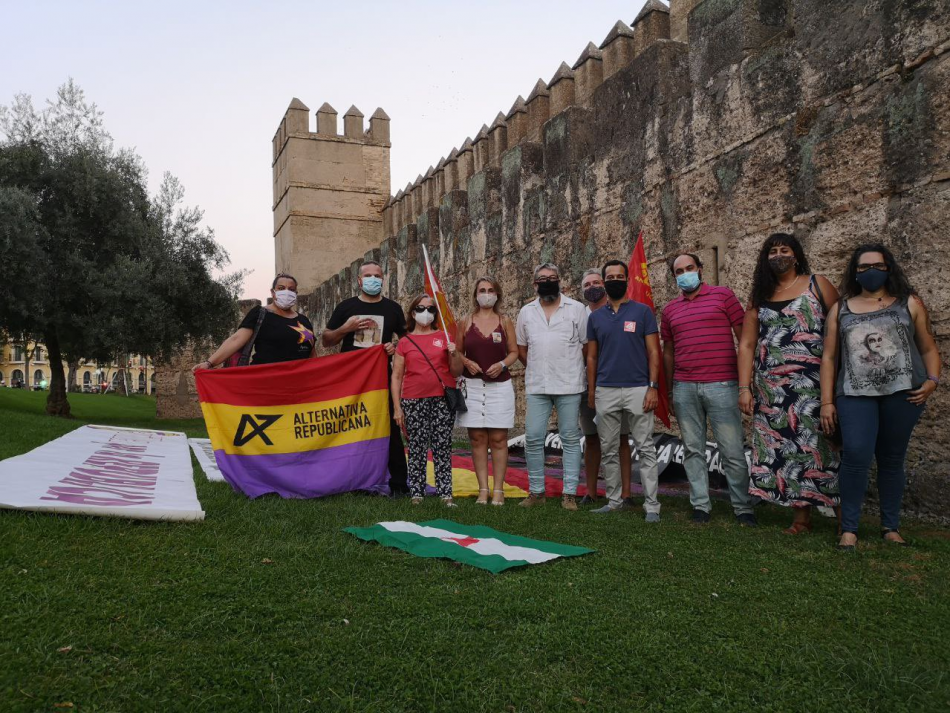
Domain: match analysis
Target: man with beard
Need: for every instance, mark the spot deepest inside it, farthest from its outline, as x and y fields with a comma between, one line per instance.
x=699, y=356
x=551, y=333
x=623, y=365
x=364, y=321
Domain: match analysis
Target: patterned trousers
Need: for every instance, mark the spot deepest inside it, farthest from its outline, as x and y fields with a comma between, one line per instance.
x=429, y=425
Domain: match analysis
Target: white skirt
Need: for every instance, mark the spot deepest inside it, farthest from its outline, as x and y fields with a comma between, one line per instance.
x=490, y=405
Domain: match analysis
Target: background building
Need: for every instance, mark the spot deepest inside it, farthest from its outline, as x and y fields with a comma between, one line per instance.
x=27, y=365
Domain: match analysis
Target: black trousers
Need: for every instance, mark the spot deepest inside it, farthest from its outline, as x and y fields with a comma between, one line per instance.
x=398, y=472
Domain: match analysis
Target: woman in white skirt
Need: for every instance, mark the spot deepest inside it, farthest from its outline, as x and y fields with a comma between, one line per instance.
x=486, y=340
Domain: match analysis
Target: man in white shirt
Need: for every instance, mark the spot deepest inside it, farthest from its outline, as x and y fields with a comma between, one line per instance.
x=552, y=334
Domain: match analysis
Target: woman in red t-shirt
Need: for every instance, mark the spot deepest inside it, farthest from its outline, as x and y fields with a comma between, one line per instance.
x=426, y=362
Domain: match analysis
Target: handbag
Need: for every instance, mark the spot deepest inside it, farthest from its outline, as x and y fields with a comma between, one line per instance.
x=245, y=356
x=453, y=395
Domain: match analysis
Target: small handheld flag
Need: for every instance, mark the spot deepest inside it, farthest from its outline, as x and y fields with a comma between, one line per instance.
x=639, y=290
x=434, y=290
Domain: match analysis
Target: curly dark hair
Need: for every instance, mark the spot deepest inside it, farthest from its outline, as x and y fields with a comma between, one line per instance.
x=897, y=284
x=764, y=280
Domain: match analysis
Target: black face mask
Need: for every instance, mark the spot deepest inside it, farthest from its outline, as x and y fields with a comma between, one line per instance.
x=549, y=289
x=594, y=294
x=616, y=288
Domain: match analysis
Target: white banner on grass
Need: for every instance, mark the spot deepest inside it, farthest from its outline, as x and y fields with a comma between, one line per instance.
x=203, y=451
x=105, y=470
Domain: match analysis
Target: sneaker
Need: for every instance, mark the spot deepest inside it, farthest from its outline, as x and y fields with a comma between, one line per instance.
x=606, y=509
x=628, y=503
x=700, y=517
x=747, y=520
x=568, y=502
x=653, y=517
x=532, y=500
x=587, y=500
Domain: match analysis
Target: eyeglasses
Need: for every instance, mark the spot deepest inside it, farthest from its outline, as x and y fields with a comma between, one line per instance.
x=865, y=266
x=542, y=280
x=420, y=309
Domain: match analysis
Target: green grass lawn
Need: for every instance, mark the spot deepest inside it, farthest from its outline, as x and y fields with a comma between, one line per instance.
x=268, y=606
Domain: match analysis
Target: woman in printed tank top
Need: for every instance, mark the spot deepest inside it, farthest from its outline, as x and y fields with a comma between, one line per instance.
x=879, y=367
x=487, y=341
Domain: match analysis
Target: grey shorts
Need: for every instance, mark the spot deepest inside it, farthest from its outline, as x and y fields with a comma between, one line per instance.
x=589, y=427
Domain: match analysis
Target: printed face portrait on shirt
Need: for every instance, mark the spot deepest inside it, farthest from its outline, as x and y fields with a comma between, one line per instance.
x=878, y=349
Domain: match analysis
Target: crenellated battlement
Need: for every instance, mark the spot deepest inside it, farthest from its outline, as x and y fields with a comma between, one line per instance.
x=330, y=189
x=571, y=85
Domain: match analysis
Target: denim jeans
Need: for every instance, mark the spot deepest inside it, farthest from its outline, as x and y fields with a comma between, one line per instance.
x=717, y=401
x=536, y=430
x=881, y=427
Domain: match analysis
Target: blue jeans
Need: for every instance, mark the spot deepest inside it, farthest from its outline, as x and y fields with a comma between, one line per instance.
x=536, y=430
x=881, y=427
x=717, y=401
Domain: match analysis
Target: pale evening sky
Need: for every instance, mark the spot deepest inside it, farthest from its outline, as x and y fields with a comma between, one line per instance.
x=198, y=88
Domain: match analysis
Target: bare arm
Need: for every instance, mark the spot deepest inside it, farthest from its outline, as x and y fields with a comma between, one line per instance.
x=829, y=372
x=747, y=343
x=652, y=399
x=828, y=291
x=523, y=354
x=232, y=345
x=395, y=388
x=455, y=361
x=591, y=359
x=332, y=337
x=512, y=347
x=928, y=350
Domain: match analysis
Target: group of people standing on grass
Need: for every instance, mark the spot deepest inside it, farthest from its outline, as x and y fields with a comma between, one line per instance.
x=832, y=378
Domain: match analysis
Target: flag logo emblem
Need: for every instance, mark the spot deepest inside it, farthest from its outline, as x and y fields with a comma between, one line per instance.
x=630, y=326
x=257, y=428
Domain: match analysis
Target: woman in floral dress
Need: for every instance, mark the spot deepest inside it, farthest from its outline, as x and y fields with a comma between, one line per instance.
x=793, y=463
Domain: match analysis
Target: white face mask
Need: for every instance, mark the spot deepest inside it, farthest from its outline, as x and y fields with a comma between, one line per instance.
x=424, y=318
x=285, y=299
x=487, y=299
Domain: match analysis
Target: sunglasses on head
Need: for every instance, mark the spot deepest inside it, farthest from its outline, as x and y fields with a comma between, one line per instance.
x=420, y=309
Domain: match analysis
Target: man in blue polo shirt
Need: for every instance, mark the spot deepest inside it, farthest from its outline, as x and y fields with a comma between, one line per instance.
x=623, y=365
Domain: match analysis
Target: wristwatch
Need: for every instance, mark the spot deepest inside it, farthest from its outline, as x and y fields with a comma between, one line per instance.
x=504, y=367
x=653, y=385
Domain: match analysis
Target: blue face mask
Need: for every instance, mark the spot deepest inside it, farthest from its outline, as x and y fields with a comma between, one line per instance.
x=688, y=281
x=372, y=285
x=872, y=280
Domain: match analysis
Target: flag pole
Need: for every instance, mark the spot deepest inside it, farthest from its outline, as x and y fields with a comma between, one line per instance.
x=431, y=276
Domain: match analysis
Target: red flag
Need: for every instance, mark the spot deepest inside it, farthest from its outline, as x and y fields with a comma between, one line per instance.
x=435, y=291
x=639, y=290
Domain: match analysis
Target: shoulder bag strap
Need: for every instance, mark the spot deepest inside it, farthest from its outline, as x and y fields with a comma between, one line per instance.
x=246, y=352
x=817, y=293
x=428, y=361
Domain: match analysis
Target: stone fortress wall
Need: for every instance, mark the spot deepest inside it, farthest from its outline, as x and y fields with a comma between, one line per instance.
x=707, y=125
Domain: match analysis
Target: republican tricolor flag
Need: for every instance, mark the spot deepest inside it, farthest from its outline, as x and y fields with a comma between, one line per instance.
x=473, y=545
x=301, y=429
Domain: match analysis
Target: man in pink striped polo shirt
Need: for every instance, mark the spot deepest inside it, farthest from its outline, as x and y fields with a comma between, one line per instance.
x=699, y=357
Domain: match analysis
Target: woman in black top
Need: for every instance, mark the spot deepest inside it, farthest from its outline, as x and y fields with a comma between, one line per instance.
x=285, y=334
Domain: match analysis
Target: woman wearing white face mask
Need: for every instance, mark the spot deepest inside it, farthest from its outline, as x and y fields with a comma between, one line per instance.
x=487, y=341
x=283, y=334
x=426, y=363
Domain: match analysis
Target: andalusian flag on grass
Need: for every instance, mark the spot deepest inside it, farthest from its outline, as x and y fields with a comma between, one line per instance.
x=478, y=546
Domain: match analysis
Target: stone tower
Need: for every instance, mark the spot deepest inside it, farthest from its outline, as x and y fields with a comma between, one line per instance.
x=329, y=190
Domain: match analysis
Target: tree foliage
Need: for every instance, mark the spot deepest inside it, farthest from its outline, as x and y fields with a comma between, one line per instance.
x=92, y=265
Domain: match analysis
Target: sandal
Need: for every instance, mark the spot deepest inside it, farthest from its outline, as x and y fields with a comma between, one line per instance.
x=449, y=503
x=900, y=543
x=847, y=548
x=498, y=499
x=798, y=528
x=482, y=499
x=416, y=501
